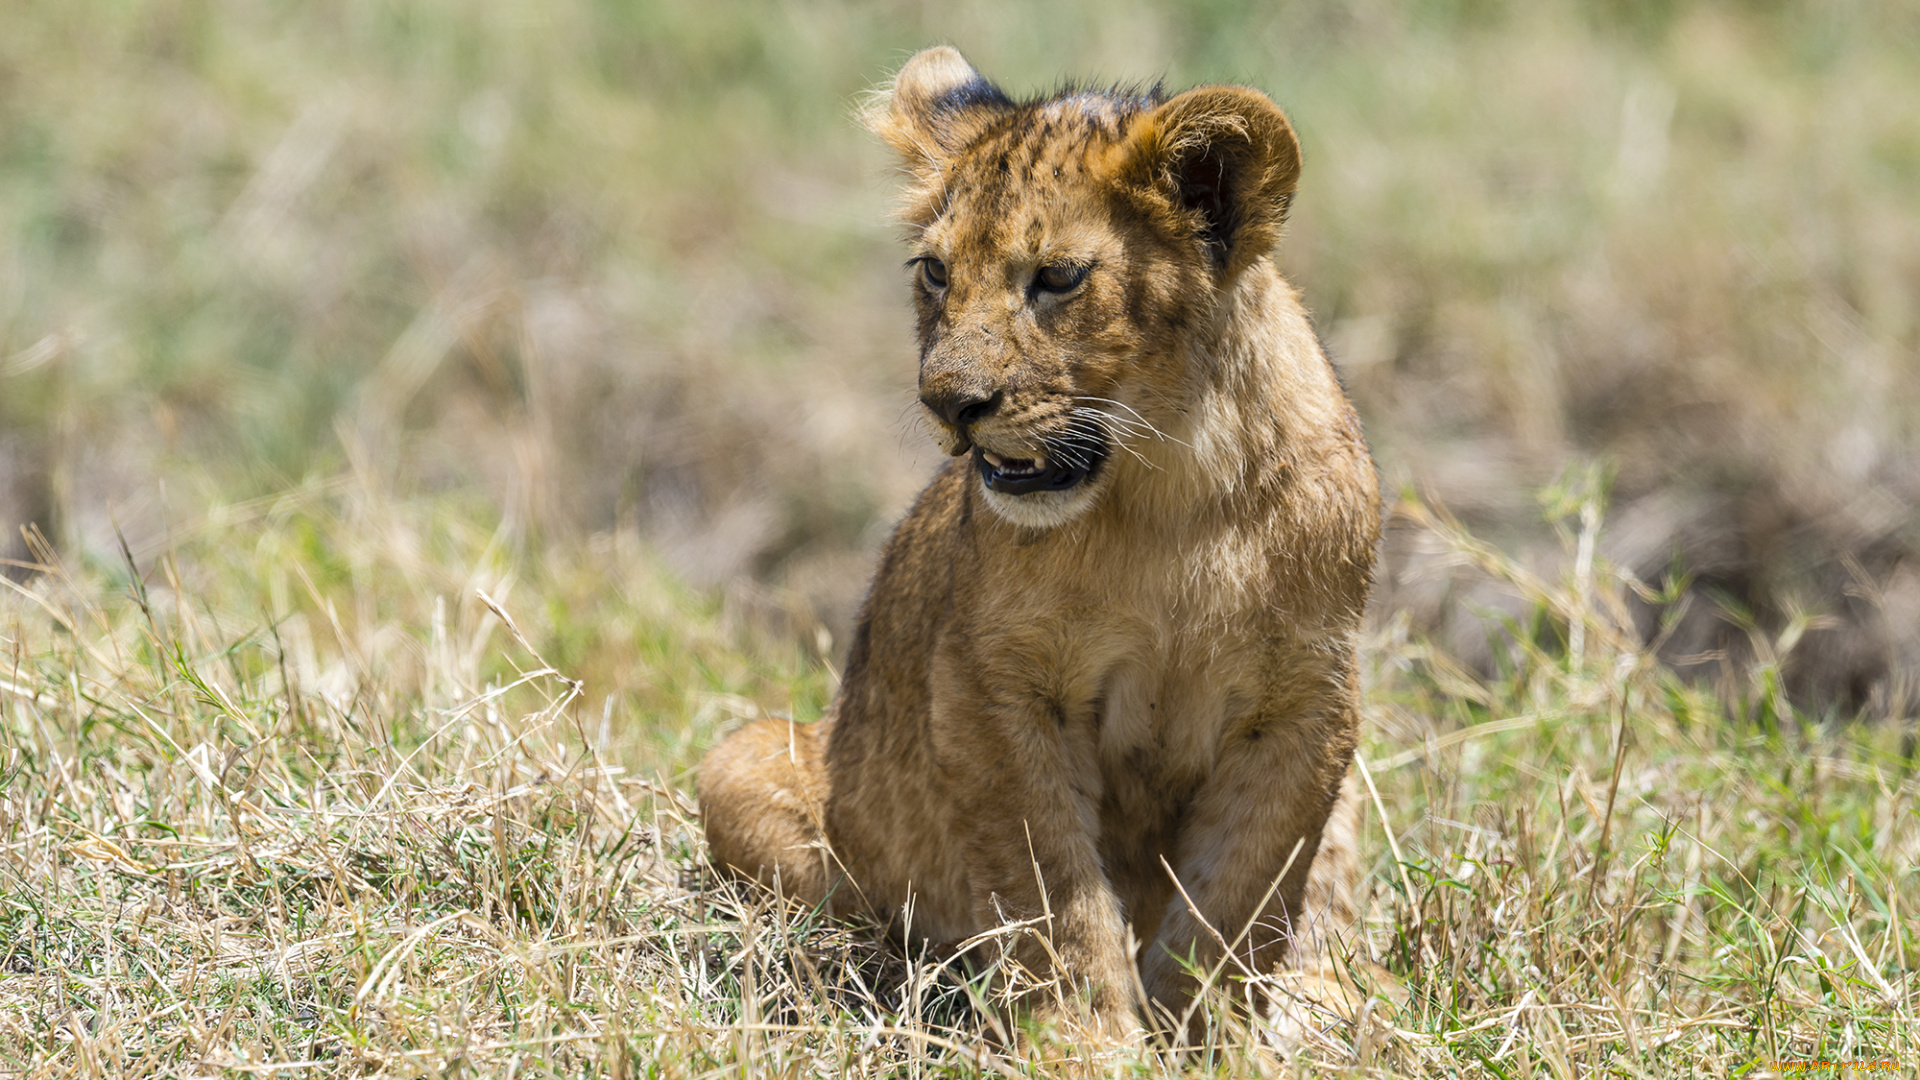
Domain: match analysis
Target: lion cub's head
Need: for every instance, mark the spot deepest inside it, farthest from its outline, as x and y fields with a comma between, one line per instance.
x=1070, y=257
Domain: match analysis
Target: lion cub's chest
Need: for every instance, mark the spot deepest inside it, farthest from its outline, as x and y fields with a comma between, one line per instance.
x=1159, y=731
x=1156, y=667
x=1161, y=723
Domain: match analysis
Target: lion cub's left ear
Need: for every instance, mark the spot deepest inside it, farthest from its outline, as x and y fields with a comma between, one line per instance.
x=1226, y=161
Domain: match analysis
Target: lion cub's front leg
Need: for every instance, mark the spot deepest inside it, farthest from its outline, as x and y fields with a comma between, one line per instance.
x=1248, y=848
x=1026, y=824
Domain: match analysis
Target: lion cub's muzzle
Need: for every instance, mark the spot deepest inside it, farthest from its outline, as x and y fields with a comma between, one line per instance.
x=1066, y=459
x=1066, y=462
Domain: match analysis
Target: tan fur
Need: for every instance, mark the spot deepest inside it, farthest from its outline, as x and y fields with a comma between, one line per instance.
x=1053, y=697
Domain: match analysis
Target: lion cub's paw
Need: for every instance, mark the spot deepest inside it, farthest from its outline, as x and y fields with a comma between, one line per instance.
x=1344, y=1011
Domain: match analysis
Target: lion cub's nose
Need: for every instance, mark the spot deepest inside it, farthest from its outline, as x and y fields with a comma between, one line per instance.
x=960, y=406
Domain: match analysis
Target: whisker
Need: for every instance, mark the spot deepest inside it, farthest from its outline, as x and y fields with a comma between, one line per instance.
x=1121, y=428
x=1115, y=421
x=1137, y=420
x=1120, y=423
x=1082, y=419
x=1072, y=453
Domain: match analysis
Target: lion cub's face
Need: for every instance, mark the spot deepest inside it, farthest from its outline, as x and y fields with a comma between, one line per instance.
x=1066, y=255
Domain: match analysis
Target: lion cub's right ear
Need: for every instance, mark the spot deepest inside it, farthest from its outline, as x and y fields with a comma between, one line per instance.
x=934, y=107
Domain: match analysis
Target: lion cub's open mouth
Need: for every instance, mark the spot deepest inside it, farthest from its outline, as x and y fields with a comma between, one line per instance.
x=1070, y=464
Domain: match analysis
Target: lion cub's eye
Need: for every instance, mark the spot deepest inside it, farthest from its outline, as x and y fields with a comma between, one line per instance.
x=934, y=272
x=1059, y=278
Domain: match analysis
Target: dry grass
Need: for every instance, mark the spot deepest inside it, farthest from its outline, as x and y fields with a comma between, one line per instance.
x=299, y=800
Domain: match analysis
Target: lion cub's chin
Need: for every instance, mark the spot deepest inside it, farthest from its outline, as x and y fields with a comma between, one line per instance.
x=1043, y=509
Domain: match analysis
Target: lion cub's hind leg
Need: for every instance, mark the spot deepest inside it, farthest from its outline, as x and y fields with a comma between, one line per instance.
x=1329, y=919
x=762, y=794
x=1330, y=987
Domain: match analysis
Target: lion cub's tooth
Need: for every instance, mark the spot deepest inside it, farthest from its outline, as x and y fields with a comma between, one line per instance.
x=993, y=459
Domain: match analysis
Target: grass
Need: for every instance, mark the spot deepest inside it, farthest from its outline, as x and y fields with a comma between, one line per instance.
x=320, y=790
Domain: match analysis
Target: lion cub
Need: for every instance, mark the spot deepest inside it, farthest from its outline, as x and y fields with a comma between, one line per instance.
x=1113, y=644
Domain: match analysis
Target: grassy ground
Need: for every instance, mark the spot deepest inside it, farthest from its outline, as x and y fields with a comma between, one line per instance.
x=341, y=785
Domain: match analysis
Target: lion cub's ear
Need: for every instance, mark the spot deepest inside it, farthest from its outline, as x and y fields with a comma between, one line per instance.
x=934, y=107
x=1226, y=160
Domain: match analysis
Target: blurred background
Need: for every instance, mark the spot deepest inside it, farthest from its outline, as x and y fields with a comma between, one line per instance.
x=584, y=268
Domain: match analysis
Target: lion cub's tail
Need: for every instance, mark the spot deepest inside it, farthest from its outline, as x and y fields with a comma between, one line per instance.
x=762, y=795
